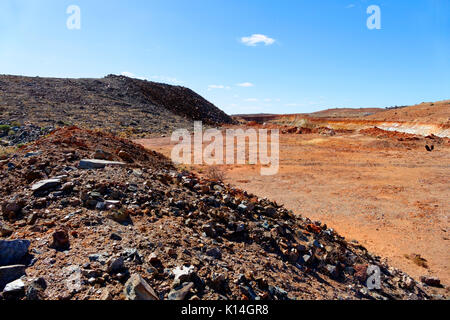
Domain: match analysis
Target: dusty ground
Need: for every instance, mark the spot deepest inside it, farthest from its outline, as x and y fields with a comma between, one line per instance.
x=390, y=195
x=140, y=228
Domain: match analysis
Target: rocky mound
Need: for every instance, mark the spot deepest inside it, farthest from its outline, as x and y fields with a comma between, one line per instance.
x=88, y=216
x=116, y=103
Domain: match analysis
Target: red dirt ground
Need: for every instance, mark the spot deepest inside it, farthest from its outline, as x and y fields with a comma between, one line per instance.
x=388, y=193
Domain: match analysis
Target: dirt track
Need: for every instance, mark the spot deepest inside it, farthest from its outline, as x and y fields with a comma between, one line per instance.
x=392, y=196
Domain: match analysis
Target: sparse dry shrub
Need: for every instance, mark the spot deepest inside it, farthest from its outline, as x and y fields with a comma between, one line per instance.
x=417, y=259
x=214, y=173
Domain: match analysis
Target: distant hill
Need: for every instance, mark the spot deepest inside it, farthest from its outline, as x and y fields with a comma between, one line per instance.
x=117, y=103
x=426, y=112
x=345, y=113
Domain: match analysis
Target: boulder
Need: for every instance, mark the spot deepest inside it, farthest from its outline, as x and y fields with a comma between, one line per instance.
x=98, y=164
x=60, y=240
x=45, y=185
x=14, y=287
x=115, y=265
x=431, y=281
x=10, y=209
x=136, y=288
x=12, y=252
x=10, y=273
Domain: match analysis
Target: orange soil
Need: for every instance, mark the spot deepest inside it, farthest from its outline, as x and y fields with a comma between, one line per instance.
x=390, y=195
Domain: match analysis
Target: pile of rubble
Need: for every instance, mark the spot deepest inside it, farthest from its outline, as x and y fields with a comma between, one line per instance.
x=118, y=104
x=88, y=216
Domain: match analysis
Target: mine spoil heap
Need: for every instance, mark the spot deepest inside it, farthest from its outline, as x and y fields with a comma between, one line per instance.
x=113, y=103
x=86, y=215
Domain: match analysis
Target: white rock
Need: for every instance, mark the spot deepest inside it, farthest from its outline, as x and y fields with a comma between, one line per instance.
x=45, y=184
x=98, y=164
x=14, y=286
x=184, y=272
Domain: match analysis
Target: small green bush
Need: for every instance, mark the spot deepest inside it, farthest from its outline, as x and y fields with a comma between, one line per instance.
x=5, y=128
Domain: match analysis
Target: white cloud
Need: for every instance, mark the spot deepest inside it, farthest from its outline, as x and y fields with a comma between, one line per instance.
x=251, y=100
x=254, y=39
x=246, y=85
x=216, y=86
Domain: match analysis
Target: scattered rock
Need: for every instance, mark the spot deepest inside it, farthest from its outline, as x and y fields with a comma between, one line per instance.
x=153, y=259
x=10, y=209
x=120, y=216
x=12, y=252
x=183, y=274
x=181, y=292
x=10, y=273
x=214, y=252
x=125, y=156
x=46, y=185
x=34, y=289
x=137, y=288
x=209, y=230
x=115, y=265
x=97, y=164
x=431, y=281
x=15, y=289
x=115, y=236
x=102, y=155
x=60, y=240
x=5, y=230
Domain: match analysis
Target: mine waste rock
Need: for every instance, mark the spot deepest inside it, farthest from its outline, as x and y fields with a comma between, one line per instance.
x=145, y=230
x=115, y=103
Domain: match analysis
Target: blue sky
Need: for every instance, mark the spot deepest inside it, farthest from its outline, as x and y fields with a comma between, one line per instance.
x=309, y=55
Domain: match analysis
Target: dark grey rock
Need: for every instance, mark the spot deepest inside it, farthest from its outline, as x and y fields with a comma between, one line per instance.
x=181, y=292
x=12, y=252
x=10, y=273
